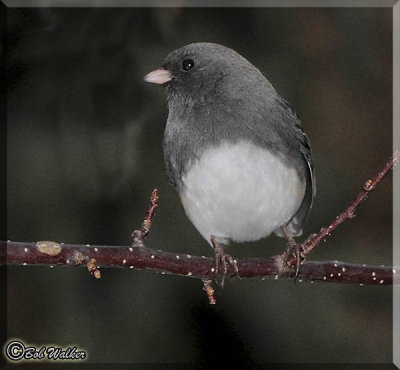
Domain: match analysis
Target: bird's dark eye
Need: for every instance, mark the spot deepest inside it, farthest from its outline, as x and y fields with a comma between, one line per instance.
x=187, y=64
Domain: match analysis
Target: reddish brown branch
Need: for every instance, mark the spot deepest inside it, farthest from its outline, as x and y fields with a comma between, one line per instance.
x=138, y=236
x=19, y=253
x=92, y=256
x=348, y=213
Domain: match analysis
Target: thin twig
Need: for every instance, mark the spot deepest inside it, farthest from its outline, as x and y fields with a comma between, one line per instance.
x=348, y=213
x=207, y=287
x=138, y=236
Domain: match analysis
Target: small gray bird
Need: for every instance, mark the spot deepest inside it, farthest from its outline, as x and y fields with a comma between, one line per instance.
x=234, y=149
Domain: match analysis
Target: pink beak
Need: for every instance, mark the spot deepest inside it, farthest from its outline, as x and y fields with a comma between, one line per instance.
x=159, y=76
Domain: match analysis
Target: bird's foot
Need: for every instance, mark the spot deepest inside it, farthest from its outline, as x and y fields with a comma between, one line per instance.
x=222, y=259
x=294, y=253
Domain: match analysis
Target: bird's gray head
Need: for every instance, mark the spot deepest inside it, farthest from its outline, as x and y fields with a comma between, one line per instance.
x=203, y=71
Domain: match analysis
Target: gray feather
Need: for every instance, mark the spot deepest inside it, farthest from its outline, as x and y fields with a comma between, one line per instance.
x=226, y=98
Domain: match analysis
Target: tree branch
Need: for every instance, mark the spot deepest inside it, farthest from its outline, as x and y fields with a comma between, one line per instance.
x=138, y=236
x=19, y=253
x=313, y=240
x=138, y=256
x=349, y=212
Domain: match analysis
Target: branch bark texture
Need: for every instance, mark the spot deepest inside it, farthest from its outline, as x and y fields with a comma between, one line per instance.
x=195, y=266
x=138, y=256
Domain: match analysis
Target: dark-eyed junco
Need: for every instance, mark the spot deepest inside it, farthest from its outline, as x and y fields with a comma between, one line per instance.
x=234, y=149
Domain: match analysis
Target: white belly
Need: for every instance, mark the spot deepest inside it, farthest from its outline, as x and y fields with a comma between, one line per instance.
x=240, y=192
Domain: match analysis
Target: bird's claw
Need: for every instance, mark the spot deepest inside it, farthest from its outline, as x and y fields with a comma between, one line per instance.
x=224, y=259
x=293, y=255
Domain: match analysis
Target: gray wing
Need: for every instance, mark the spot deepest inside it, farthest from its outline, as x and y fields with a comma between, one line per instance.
x=294, y=226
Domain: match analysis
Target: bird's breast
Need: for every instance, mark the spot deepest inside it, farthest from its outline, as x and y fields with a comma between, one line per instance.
x=240, y=192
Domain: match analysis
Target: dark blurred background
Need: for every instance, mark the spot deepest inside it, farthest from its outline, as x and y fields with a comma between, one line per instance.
x=84, y=153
